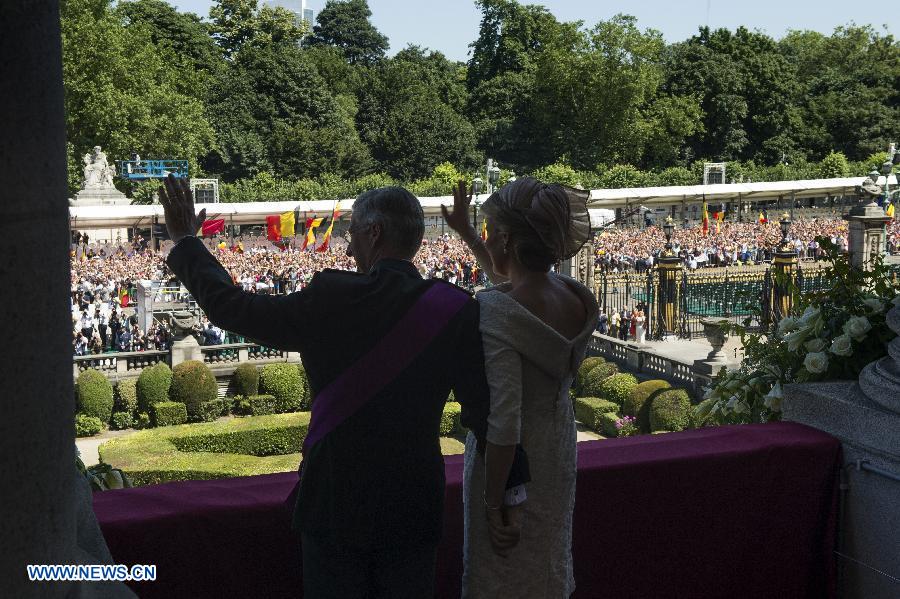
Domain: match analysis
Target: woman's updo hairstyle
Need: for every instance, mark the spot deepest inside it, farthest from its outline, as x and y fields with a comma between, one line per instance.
x=545, y=223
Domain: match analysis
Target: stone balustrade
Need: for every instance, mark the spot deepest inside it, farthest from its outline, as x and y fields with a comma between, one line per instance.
x=223, y=359
x=642, y=359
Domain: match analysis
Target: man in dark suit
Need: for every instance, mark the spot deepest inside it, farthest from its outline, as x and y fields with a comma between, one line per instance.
x=370, y=500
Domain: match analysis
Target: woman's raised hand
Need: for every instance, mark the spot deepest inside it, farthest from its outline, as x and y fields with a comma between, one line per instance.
x=458, y=220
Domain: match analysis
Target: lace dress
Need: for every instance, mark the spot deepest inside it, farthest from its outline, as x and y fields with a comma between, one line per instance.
x=529, y=369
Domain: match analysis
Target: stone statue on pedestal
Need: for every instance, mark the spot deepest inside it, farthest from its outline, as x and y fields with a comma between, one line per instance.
x=97, y=188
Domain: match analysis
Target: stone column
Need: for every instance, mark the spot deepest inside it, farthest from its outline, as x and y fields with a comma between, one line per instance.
x=866, y=224
x=37, y=448
x=144, y=305
x=866, y=418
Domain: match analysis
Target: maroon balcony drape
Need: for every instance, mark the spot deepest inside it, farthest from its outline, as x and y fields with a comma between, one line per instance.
x=738, y=511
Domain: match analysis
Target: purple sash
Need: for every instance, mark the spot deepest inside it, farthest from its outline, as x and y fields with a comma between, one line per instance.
x=385, y=362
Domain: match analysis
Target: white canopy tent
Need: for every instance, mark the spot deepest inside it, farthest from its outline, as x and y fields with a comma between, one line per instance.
x=100, y=217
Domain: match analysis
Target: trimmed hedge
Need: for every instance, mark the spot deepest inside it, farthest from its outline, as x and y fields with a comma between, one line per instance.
x=193, y=384
x=589, y=410
x=638, y=402
x=596, y=376
x=608, y=424
x=142, y=420
x=450, y=423
x=87, y=426
x=153, y=386
x=306, y=394
x=211, y=410
x=618, y=387
x=670, y=410
x=283, y=381
x=121, y=420
x=95, y=395
x=125, y=399
x=168, y=413
x=586, y=366
x=246, y=380
x=189, y=452
x=261, y=405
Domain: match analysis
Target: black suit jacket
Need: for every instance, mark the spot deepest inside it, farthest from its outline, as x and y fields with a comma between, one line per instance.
x=379, y=476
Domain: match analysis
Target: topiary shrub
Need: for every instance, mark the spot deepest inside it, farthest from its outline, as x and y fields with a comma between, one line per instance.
x=246, y=380
x=586, y=366
x=125, y=399
x=168, y=413
x=193, y=383
x=595, y=377
x=450, y=418
x=588, y=411
x=95, y=395
x=121, y=420
x=608, y=425
x=638, y=402
x=142, y=420
x=451, y=397
x=87, y=426
x=670, y=410
x=261, y=405
x=305, y=394
x=618, y=387
x=153, y=386
x=211, y=410
x=284, y=383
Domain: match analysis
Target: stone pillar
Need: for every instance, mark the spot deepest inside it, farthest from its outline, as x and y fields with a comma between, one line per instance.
x=144, y=305
x=37, y=437
x=866, y=224
x=866, y=418
x=668, y=295
x=186, y=349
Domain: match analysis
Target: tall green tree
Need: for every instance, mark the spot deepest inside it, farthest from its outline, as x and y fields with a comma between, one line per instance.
x=122, y=92
x=410, y=114
x=240, y=23
x=850, y=89
x=345, y=24
x=273, y=112
x=185, y=35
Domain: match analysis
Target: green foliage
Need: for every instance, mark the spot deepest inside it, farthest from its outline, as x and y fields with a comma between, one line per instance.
x=450, y=423
x=193, y=384
x=559, y=173
x=587, y=365
x=834, y=165
x=589, y=411
x=246, y=379
x=346, y=26
x=618, y=387
x=608, y=426
x=125, y=93
x=283, y=381
x=193, y=452
x=243, y=24
x=142, y=421
x=638, y=402
x=168, y=413
x=87, y=426
x=210, y=410
x=305, y=393
x=670, y=410
x=260, y=405
x=103, y=477
x=594, y=379
x=153, y=386
x=95, y=395
x=121, y=420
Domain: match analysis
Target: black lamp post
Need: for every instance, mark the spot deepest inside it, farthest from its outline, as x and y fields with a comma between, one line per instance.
x=669, y=230
x=493, y=177
x=785, y=224
x=476, y=189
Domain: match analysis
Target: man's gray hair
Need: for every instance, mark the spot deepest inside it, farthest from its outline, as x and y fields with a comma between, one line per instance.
x=398, y=212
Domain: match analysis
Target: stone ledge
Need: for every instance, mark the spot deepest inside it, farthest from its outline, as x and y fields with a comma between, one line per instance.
x=841, y=409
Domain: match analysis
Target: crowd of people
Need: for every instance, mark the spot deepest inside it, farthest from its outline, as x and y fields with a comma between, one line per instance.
x=104, y=274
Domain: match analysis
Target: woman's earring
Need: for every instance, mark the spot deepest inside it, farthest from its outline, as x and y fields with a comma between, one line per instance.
x=504, y=249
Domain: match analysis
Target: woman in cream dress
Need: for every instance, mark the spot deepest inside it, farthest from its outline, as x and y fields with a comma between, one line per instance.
x=535, y=327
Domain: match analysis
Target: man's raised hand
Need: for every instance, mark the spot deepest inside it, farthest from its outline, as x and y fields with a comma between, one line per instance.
x=178, y=204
